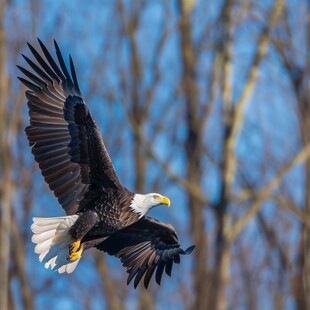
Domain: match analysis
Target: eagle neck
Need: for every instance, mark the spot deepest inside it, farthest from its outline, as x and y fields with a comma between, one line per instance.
x=138, y=206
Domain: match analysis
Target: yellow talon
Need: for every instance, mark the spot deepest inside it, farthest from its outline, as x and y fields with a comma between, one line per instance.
x=75, y=251
x=74, y=246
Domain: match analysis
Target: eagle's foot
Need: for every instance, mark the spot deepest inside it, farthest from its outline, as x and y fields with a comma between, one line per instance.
x=73, y=247
x=75, y=251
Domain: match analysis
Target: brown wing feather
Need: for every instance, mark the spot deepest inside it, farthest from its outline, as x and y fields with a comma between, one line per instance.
x=145, y=247
x=65, y=140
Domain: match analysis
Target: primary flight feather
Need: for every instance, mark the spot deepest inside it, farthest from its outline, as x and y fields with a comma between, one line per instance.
x=101, y=212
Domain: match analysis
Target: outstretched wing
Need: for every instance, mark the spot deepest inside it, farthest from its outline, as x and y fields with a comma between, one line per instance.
x=145, y=247
x=64, y=138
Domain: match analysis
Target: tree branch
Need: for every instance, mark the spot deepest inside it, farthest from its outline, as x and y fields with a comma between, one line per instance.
x=239, y=110
x=265, y=193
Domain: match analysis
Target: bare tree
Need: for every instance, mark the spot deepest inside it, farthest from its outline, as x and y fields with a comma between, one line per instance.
x=297, y=65
x=181, y=108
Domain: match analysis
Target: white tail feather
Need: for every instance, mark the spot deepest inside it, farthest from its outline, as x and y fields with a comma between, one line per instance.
x=52, y=238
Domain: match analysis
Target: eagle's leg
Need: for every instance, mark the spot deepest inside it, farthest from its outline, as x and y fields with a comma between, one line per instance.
x=81, y=227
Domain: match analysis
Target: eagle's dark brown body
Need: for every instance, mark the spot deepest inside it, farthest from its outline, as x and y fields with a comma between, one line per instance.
x=101, y=212
x=113, y=212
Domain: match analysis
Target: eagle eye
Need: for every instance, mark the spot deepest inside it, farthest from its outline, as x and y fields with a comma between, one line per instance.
x=155, y=196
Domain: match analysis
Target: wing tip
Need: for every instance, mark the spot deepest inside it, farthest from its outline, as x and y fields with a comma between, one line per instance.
x=190, y=249
x=41, y=43
x=56, y=45
x=30, y=46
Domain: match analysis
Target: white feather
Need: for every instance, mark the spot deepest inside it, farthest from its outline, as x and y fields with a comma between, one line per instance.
x=52, y=239
x=41, y=228
x=43, y=246
x=51, y=263
x=41, y=237
x=69, y=268
x=43, y=221
x=138, y=205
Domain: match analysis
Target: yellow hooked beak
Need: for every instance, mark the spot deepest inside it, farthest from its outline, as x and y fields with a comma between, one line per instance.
x=164, y=200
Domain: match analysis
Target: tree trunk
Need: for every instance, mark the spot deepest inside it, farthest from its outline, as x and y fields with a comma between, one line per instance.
x=193, y=148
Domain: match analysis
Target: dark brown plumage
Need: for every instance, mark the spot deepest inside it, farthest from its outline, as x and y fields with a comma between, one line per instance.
x=74, y=162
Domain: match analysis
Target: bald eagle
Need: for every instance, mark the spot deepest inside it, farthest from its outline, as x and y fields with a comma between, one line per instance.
x=100, y=211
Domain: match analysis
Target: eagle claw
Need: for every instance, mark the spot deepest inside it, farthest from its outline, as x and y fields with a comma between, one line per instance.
x=75, y=251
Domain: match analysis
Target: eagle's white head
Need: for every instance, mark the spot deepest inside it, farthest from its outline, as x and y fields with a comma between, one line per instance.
x=143, y=203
